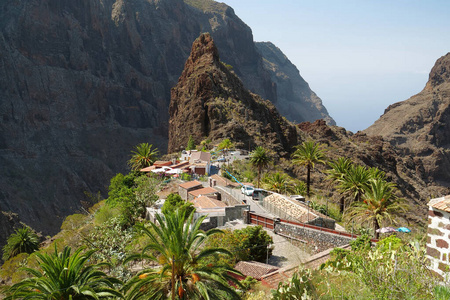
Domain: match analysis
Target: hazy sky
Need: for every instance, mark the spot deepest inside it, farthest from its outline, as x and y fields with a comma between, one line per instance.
x=358, y=56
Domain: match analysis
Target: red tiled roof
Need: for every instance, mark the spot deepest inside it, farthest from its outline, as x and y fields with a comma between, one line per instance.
x=162, y=163
x=180, y=165
x=203, y=191
x=255, y=269
x=147, y=169
x=190, y=184
x=442, y=203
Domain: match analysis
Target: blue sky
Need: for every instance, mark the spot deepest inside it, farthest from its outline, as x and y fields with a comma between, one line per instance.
x=358, y=56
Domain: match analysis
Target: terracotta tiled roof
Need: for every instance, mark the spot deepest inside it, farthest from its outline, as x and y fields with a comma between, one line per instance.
x=180, y=165
x=200, y=155
x=254, y=269
x=442, y=203
x=190, y=184
x=162, y=163
x=148, y=169
x=203, y=191
x=206, y=202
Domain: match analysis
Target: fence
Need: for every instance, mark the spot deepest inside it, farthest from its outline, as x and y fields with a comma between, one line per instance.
x=264, y=221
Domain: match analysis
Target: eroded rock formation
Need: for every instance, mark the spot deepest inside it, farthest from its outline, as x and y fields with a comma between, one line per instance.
x=210, y=101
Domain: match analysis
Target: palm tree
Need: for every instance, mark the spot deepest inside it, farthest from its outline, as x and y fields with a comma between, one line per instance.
x=339, y=168
x=356, y=181
x=143, y=157
x=260, y=159
x=24, y=240
x=379, y=204
x=225, y=145
x=65, y=276
x=308, y=154
x=176, y=244
x=277, y=182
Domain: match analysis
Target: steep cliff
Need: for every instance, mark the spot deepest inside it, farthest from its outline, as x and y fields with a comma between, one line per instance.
x=82, y=82
x=210, y=101
x=295, y=100
x=420, y=128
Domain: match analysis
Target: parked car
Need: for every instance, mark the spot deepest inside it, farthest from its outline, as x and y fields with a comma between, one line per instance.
x=247, y=190
x=259, y=194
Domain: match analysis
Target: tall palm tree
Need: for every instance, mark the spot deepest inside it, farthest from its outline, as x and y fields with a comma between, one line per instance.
x=23, y=240
x=339, y=168
x=260, y=158
x=277, y=182
x=176, y=244
x=379, y=204
x=144, y=156
x=308, y=154
x=65, y=276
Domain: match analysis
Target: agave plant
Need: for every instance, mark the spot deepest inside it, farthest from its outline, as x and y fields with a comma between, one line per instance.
x=65, y=276
x=24, y=240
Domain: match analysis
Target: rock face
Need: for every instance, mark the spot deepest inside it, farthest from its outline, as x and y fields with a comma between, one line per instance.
x=210, y=101
x=420, y=128
x=83, y=82
x=295, y=100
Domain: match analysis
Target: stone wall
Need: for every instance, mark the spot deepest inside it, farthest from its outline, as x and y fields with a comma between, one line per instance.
x=319, y=240
x=438, y=241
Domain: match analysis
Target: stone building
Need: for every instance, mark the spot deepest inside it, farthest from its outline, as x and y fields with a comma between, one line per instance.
x=438, y=239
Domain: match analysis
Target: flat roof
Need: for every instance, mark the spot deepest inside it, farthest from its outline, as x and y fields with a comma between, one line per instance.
x=206, y=202
x=203, y=191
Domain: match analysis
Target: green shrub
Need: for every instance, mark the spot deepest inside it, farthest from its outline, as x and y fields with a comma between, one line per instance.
x=174, y=202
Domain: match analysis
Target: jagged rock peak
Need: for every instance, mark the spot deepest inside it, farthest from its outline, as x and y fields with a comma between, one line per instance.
x=440, y=73
x=203, y=47
x=210, y=101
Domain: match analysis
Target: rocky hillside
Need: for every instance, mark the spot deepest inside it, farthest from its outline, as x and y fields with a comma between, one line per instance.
x=82, y=82
x=371, y=151
x=295, y=100
x=420, y=128
x=211, y=101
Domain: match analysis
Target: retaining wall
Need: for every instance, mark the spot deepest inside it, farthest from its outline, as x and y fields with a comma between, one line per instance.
x=320, y=240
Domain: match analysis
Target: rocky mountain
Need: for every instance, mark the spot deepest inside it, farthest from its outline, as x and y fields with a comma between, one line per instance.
x=211, y=101
x=420, y=128
x=295, y=100
x=82, y=82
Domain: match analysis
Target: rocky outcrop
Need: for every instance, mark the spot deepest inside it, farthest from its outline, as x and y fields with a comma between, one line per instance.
x=83, y=82
x=295, y=100
x=420, y=128
x=210, y=101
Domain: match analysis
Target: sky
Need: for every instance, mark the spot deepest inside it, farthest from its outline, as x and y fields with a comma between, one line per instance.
x=358, y=56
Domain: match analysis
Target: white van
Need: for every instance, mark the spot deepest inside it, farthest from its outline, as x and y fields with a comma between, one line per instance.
x=247, y=190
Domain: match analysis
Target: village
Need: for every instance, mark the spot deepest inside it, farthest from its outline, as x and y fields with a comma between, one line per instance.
x=304, y=235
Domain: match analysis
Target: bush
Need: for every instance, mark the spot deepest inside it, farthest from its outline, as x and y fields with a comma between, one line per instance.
x=250, y=243
x=174, y=202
